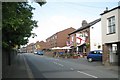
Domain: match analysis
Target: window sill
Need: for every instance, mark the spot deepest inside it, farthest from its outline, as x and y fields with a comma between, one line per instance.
x=110, y=33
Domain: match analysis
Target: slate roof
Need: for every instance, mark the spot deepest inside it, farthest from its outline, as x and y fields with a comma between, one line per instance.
x=87, y=26
x=118, y=7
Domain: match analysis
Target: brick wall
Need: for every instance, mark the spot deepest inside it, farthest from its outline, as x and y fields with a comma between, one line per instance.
x=29, y=48
x=40, y=45
x=105, y=56
x=59, y=39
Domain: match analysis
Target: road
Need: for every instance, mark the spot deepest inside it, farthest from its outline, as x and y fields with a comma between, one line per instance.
x=47, y=67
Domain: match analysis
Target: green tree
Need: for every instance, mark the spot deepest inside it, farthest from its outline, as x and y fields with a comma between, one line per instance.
x=17, y=23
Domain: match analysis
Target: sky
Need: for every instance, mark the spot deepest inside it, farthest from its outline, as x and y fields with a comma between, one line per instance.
x=57, y=15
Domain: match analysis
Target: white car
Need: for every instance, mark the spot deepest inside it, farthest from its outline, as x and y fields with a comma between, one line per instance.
x=35, y=52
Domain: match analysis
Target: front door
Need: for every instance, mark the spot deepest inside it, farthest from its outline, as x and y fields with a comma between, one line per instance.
x=113, y=54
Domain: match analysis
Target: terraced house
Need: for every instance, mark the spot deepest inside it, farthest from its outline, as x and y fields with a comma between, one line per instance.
x=30, y=48
x=58, y=39
x=87, y=37
x=40, y=45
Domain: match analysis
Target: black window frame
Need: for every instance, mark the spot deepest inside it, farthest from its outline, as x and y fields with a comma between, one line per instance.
x=111, y=26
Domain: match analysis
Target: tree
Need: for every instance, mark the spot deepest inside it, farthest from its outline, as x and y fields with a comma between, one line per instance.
x=17, y=23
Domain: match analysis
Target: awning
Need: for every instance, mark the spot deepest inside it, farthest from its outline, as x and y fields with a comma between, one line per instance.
x=66, y=47
x=55, y=48
x=58, y=48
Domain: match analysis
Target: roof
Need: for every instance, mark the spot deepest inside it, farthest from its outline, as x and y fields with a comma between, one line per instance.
x=118, y=7
x=60, y=32
x=87, y=26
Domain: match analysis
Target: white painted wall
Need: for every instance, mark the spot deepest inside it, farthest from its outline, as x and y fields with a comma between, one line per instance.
x=111, y=37
x=78, y=40
x=118, y=24
x=95, y=36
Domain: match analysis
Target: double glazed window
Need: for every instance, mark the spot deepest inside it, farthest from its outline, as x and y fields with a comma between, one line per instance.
x=111, y=25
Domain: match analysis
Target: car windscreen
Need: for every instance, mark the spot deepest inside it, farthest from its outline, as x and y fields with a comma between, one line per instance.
x=96, y=52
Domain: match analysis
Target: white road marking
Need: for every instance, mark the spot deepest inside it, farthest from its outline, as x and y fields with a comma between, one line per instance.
x=56, y=59
x=55, y=62
x=58, y=64
x=87, y=74
x=71, y=69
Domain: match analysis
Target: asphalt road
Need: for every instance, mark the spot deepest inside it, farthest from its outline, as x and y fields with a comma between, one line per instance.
x=47, y=67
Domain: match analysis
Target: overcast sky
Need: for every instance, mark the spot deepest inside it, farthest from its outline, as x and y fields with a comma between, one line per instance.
x=57, y=15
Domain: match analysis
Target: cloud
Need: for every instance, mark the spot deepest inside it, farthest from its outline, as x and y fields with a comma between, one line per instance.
x=53, y=24
x=82, y=0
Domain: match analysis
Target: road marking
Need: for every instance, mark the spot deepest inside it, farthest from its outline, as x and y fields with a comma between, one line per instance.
x=87, y=74
x=71, y=69
x=55, y=62
x=56, y=59
x=58, y=64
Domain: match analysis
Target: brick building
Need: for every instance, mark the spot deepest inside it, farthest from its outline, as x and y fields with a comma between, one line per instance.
x=81, y=40
x=40, y=45
x=23, y=49
x=58, y=39
x=30, y=48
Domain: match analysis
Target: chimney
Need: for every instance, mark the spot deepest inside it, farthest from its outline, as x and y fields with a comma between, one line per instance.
x=106, y=10
x=84, y=23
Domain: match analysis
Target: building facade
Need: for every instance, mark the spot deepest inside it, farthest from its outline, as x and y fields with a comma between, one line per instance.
x=83, y=39
x=40, y=45
x=23, y=49
x=96, y=36
x=110, y=35
x=30, y=48
x=58, y=39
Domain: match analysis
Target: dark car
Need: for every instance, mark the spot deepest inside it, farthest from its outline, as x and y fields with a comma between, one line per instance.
x=95, y=55
x=40, y=52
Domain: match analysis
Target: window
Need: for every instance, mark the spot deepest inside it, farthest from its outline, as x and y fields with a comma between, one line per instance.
x=72, y=38
x=99, y=52
x=92, y=52
x=111, y=25
x=55, y=36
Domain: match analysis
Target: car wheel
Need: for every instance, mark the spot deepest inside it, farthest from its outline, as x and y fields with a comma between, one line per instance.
x=90, y=59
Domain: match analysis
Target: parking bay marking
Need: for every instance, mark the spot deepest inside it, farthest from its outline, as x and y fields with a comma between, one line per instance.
x=87, y=74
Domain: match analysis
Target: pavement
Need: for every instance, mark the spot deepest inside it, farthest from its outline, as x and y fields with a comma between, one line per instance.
x=20, y=68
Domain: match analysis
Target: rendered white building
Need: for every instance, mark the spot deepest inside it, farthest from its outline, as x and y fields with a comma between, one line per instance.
x=110, y=20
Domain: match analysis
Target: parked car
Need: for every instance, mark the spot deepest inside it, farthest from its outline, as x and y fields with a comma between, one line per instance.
x=95, y=55
x=35, y=52
x=40, y=52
